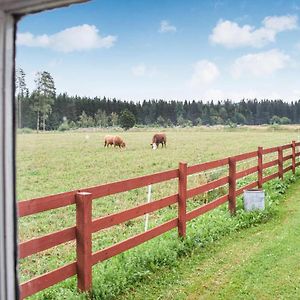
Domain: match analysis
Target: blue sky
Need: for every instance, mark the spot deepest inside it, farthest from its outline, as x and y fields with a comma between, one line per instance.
x=167, y=49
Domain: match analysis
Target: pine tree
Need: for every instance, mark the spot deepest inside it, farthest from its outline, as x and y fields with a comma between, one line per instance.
x=43, y=97
x=21, y=93
x=127, y=119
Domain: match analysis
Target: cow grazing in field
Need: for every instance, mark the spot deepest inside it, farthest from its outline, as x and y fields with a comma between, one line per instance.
x=108, y=140
x=117, y=141
x=159, y=138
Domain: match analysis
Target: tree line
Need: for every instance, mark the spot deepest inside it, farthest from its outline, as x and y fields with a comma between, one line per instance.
x=43, y=108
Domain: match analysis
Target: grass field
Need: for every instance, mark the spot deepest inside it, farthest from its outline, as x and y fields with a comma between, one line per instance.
x=257, y=263
x=57, y=162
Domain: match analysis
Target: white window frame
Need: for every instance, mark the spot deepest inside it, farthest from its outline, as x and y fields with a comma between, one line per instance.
x=10, y=12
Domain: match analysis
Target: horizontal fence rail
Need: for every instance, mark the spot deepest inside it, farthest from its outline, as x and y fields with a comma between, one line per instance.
x=44, y=281
x=46, y=242
x=38, y=205
x=86, y=226
x=205, y=208
x=207, y=166
x=207, y=187
x=130, y=184
x=133, y=241
x=126, y=215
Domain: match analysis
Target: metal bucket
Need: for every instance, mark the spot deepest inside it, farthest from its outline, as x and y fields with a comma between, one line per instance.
x=254, y=200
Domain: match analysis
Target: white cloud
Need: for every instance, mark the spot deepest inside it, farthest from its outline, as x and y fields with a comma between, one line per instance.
x=282, y=23
x=232, y=35
x=260, y=64
x=141, y=70
x=78, y=38
x=205, y=72
x=165, y=27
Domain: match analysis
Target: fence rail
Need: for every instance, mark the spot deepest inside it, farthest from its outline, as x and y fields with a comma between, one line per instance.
x=85, y=225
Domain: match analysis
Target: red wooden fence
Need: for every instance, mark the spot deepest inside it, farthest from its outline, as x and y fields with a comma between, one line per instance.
x=85, y=225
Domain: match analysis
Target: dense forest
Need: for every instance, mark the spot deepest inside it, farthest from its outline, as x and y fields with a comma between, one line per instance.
x=104, y=112
x=44, y=109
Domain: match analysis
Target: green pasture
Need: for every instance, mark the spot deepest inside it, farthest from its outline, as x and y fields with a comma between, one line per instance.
x=57, y=162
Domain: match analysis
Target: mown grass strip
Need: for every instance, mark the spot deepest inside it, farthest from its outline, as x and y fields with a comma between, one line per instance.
x=260, y=262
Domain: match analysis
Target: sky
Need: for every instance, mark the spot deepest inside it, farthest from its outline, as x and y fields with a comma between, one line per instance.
x=166, y=49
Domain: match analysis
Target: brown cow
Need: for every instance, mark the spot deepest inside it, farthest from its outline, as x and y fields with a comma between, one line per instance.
x=159, y=138
x=108, y=140
x=118, y=142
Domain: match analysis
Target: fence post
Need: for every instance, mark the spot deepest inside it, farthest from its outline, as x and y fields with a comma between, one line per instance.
x=182, y=192
x=294, y=156
x=232, y=185
x=280, y=162
x=260, y=167
x=84, y=240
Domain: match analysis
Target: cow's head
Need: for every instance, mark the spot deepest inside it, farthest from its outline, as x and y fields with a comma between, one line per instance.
x=154, y=146
x=123, y=145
